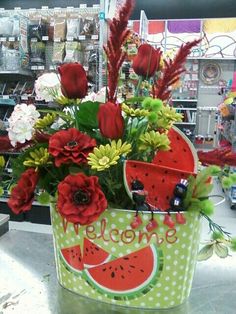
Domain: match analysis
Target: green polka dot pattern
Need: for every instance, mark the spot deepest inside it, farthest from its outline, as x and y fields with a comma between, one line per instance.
x=112, y=232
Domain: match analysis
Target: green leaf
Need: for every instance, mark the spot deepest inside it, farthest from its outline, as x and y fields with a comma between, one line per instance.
x=134, y=100
x=221, y=250
x=205, y=252
x=44, y=198
x=194, y=205
x=203, y=190
x=87, y=114
x=190, y=189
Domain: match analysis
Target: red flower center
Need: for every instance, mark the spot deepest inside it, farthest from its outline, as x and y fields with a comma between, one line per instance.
x=81, y=197
x=72, y=144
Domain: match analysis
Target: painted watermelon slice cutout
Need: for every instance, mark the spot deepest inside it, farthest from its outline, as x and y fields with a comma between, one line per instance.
x=93, y=254
x=72, y=259
x=127, y=277
x=158, y=181
x=182, y=154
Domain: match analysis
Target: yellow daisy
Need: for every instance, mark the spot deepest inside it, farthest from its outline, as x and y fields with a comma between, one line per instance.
x=123, y=149
x=38, y=157
x=131, y=112
x=167, y=116
x=154, y=141
x=45, y=121
x=103, y=157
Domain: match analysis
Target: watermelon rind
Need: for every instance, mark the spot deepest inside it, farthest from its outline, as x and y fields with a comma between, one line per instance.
x=139, y=291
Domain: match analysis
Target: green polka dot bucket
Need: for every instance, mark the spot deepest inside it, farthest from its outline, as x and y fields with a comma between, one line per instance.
x=110, y=262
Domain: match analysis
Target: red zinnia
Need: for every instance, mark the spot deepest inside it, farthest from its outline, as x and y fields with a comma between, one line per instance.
x=110, y=120
x=70, y=146
x=80, y=199
x=22, y=195
x=74, y=82
x=147, y=61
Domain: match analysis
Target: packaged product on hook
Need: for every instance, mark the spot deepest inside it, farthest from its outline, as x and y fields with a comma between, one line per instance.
x=72, y=28
x=58, y=52
x=72, y=52
x=59, y=29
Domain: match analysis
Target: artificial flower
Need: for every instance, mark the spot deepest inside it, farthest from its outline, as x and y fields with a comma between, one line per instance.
x=70, y=146
x=80, y=199
x=48, y=87
x=131, y=112
x=22, y=195
x=47, y=120
x=103, y=157
x=147, y=61
x=2, y=162
x=122, y=148
x=110, y=120
x=154, y=141
x=74, y=82
x=38, y=157
x=167, y=116
x=21, y=123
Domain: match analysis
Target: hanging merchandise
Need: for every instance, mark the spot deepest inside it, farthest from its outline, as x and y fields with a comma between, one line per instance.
x=58, y=52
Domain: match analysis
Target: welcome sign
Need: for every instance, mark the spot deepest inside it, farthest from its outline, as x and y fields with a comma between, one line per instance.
x=111, y=262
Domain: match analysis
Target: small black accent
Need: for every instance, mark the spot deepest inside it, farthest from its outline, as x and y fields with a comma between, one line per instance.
x=112, y=274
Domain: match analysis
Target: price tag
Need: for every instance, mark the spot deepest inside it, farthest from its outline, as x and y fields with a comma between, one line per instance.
x=41, y=67
x=70, y=8
x=94, y=37
x=3, y=39
x=83, y=5
x=70, y=38
x=33, y=67
x=52, y=67
x=32, y=10
x=2, y=9
x=5, y=97
x=57, y=9
x=85, y=68
x=44, y=7
x=17, y=8
x=45, y=38
x=33, y=40
x=57, y=40
x=82, y=37
x=24, y=97
x=96, y=6
x=11, y=39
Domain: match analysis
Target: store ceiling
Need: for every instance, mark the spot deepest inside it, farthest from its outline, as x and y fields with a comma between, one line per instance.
x=155, y=9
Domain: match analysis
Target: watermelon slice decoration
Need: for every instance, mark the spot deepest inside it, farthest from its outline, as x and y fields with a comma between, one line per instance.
x=158, y=181
x=72, y=259
x=93, y=254
x=182, y=154
x=127, y=277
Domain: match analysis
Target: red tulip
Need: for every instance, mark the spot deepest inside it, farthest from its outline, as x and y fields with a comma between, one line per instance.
x=74, y=82
x=110, y=120
x=147, y=61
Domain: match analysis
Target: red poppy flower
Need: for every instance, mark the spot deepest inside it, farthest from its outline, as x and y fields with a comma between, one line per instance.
x=22, y=195
x=70, y=146
x=74, y=82
x=80, y=199
x=147, y=61
x=110, y=120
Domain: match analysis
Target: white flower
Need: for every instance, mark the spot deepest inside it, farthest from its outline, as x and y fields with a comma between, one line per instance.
x=21, y=123
x=48, y=87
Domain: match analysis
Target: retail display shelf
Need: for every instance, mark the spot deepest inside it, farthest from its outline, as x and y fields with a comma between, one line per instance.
x=184, y=100
x=184, y=108
x=187, y=123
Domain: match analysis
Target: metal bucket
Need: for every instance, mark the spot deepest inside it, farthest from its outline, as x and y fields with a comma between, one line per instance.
x=126, y=267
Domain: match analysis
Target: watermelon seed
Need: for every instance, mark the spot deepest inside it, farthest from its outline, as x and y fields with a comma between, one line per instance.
x=129, y=271
x=96, y=248
x=146, y=174
x=178, y=138
x=132, y=266
x=110, y=267
x=112, y=274
x=163, y=180
x=86, y=249
x=160, y=161
x=171, y=150
x=175, y=161
x=121, y=267
x=142, y=270
x=123, y=277
x=126, y=258
x=155, y=198
x=92, y=252
x=135, y=256
x=116, y=269
x=153, y=186
x=166, y=171
x=185, y=150
x=167, y=197
x=104, y=269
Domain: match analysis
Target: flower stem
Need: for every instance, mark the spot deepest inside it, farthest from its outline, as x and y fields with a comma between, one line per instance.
x=214, y=227
x=138, y=86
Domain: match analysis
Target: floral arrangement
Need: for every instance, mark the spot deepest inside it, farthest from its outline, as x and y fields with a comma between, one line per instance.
x=74, y=152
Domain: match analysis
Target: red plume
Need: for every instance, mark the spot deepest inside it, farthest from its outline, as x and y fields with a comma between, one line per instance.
x=113, y=50
x=172, y=71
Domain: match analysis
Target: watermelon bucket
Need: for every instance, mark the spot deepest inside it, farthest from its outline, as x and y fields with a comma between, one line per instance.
x=110, y=262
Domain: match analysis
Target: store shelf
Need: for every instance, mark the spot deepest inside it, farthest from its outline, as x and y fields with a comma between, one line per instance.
x=16, y=75
x=187, y=123
x=190, y=109
x=184, y=100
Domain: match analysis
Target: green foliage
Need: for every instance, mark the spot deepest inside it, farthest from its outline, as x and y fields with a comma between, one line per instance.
x=233, y=244
x=226, y=182
x=207, y=207
x=216, y=235
x=147, y=102
x=43, y=198
x=205, y=253
x=87, y=114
